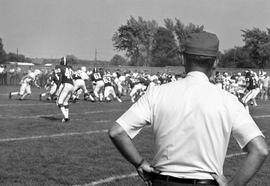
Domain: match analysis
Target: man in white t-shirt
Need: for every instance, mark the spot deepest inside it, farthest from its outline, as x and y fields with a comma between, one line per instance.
x=191, y=131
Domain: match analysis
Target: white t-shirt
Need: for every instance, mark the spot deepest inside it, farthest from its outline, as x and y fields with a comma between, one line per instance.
x=191, y=120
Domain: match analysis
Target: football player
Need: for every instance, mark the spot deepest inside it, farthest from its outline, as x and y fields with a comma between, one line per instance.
x=98, y=83
x=51, y=85
x=26, y=82
x=65, y=73
x=109, y=88
x=252, y=90
x=80, y=77
x=140, y=85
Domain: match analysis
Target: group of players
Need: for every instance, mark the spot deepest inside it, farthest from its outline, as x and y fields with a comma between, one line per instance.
x=65, y=84
x=246, y=85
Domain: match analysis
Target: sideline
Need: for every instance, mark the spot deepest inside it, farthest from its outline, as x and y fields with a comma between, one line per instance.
x=54, y=135
x=262, y=116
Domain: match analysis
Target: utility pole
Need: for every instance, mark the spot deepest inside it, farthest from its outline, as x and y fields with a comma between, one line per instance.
x=17, y=55
x=95, y=57
x=95, y=54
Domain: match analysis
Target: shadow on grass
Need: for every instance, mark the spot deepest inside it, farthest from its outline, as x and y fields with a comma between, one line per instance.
x=51, y=118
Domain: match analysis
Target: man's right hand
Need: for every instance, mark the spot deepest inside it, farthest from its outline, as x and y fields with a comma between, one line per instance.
x=222, y=180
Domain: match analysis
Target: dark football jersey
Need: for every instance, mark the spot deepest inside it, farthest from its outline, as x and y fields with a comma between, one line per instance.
x=252, y=83
x=144, y=81
x=107, y=81
x=53, y=78
x=96, y=76
x=65, y=72
x=77, y=75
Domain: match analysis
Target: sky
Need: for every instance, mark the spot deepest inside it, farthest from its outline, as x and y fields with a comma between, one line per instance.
x=55, y=28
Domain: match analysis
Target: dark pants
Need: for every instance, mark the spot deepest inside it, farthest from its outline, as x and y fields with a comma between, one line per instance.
x=158, y=182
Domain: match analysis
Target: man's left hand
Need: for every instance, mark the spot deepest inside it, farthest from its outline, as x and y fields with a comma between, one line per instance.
x=146, y=172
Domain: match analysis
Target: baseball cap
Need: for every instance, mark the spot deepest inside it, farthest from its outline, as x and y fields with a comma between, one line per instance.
x=202, y=43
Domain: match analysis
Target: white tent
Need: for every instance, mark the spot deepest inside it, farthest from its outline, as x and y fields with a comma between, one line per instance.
x=22, y=63
x=48, y=65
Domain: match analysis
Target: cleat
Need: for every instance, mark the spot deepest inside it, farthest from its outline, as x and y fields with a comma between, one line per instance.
x=118, y=99
x=64, y=120
x=9, y=96
x=91, y=98
x=40, y=97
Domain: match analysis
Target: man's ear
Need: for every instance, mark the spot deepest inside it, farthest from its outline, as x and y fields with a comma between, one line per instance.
x=216, y=63
x=183, y=59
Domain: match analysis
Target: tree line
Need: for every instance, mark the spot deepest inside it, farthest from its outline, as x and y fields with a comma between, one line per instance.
x=145, y=43
x=11, y=56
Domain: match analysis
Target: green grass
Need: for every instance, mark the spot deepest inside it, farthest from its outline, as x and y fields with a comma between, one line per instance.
x=80, y=158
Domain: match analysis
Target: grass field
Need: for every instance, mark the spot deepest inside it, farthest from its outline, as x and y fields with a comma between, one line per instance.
x=37, y=149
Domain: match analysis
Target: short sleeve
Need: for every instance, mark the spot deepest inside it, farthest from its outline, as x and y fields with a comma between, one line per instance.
x=244, y=128
x=137, y=116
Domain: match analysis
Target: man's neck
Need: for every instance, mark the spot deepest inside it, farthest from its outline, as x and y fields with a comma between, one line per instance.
x=207, y=72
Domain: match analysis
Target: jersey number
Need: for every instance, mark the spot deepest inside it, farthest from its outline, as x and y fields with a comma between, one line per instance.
x=68, y=73
x=107, y=80
x=97, y=76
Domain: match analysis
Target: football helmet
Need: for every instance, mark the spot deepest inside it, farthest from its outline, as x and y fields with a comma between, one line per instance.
x=63, y=61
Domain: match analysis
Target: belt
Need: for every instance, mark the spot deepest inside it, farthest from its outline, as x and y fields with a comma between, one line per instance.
x=184, y=180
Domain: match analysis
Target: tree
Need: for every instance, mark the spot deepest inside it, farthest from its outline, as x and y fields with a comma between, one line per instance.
x=118, y=60
x=237, y=57
x=164, y=49
x=181, y=30
x=256, y=43
x=2, y=53
x=136, y=39
x=11, y=56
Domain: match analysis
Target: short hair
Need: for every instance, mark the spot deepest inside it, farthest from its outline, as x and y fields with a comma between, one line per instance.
x=199, y=60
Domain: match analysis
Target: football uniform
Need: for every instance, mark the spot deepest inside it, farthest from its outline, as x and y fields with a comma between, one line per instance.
x=79, y=84
x=140, y=85
x=97, y=78
x=51, y=86
x=253, y=91
x=26, y=82
x=109, y=89
x=65, y=73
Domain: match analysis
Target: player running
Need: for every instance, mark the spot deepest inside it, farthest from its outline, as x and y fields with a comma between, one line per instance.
x=65, y=73
x=26, y=82
x=52, y=82
x=252, y=88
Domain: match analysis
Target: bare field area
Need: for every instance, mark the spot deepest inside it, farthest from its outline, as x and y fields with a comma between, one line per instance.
x=37, y=149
